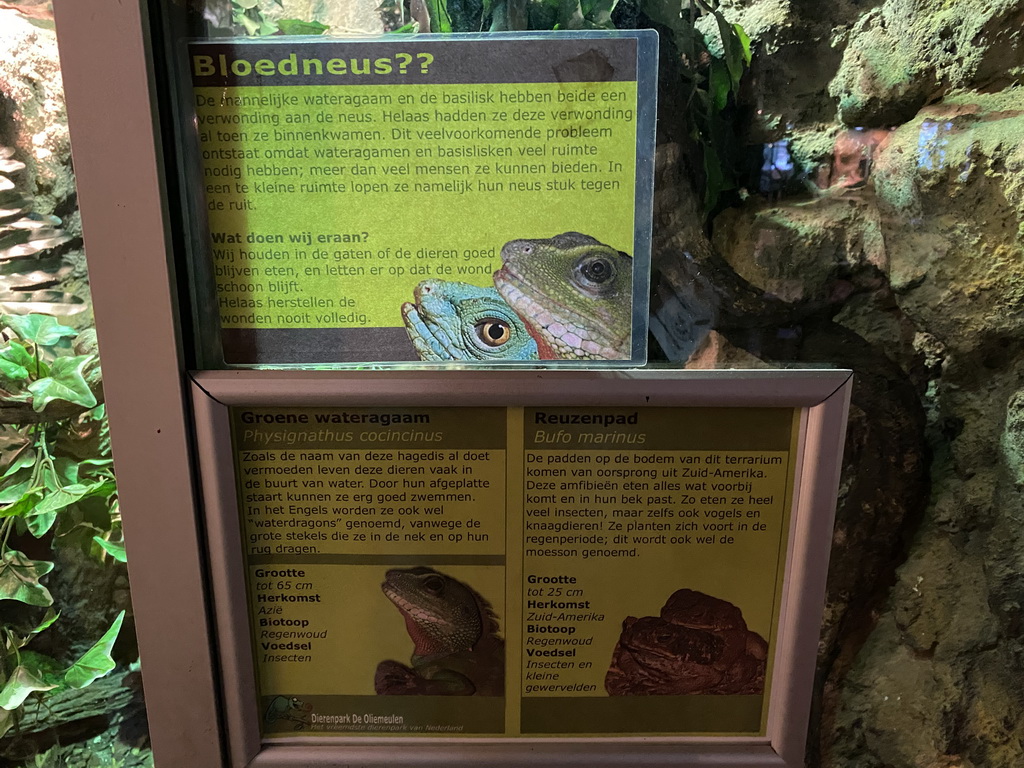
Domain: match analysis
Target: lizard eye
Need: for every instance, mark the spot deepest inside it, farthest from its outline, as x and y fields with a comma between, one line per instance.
x=434, y=584
x=597, y=270
x=595, y=274
x=493, y=332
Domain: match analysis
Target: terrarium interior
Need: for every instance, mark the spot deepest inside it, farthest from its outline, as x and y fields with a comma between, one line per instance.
x=837, y=185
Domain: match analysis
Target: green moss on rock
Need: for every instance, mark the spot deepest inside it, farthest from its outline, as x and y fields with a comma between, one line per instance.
x=908, y=52
x=814, y=146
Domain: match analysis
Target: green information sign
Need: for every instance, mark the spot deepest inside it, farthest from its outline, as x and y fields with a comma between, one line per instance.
x=514, y=571
x=424, y=199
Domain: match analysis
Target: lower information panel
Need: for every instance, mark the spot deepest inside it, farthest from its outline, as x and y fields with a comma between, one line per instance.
x=514, y=571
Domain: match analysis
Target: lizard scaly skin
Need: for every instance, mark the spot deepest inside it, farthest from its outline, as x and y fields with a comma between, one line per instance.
x=573, y=292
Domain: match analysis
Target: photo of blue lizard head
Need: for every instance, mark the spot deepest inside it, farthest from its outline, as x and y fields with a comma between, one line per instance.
x=568, y=297
x=457, y=321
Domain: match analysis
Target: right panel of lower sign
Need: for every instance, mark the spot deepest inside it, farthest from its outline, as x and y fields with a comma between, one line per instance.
x=653, y=549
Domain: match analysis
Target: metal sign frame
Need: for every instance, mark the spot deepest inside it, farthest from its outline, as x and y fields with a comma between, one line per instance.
x=822, y=396
x=109, y=82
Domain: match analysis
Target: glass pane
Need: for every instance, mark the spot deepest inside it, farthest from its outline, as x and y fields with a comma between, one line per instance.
x=838, y=184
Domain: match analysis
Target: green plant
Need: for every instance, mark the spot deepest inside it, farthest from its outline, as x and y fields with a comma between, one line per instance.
x=58, y=483
x=712, y=71
x=446, y=16
x=249, y=15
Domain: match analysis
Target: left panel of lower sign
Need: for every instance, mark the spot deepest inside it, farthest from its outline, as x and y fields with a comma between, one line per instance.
x=375, y=550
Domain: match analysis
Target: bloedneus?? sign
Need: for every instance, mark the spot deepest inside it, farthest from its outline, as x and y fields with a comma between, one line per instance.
x=423, y=199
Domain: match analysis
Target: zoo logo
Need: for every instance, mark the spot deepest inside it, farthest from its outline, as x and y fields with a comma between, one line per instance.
x=292, y=709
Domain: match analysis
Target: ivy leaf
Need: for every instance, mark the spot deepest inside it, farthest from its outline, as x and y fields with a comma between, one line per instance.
x=734, y=55
x=15, y=354
x=96, y=662
x=13, y=492
x=744, y=39
x=102, y=488
x=248, y=14
x=88, y=466
x=18, y=354
x=44, y=667
x=79, y=536
x=39, y=524
x=25, y=458
x=39, y=329
x=65, y=382
x=22, y=682
x=113, y=548
x=13, y=371
x=19, y=579
x=101, y=515
x=24, y=502
x=62, y=498
x=67, y=470
x=719, y=84
x=299, y=27
x=50, y=617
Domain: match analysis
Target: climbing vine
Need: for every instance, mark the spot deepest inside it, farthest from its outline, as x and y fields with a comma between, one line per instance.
x=56, y=485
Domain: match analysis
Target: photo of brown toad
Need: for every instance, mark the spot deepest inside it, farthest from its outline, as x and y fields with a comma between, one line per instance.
x=698, y=645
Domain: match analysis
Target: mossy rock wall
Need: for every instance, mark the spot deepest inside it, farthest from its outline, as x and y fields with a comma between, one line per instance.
x=902, y=257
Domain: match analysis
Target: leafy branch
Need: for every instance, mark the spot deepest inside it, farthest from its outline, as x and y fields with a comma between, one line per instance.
x=712, y=72
x=249, y=16
x=57, y=480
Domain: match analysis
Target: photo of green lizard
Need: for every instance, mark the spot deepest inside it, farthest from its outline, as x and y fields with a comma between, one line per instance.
x=568, y=297
x=457, y=648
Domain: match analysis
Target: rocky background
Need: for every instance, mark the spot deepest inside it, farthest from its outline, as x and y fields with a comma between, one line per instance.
x=887, y=238
x=880, y=228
